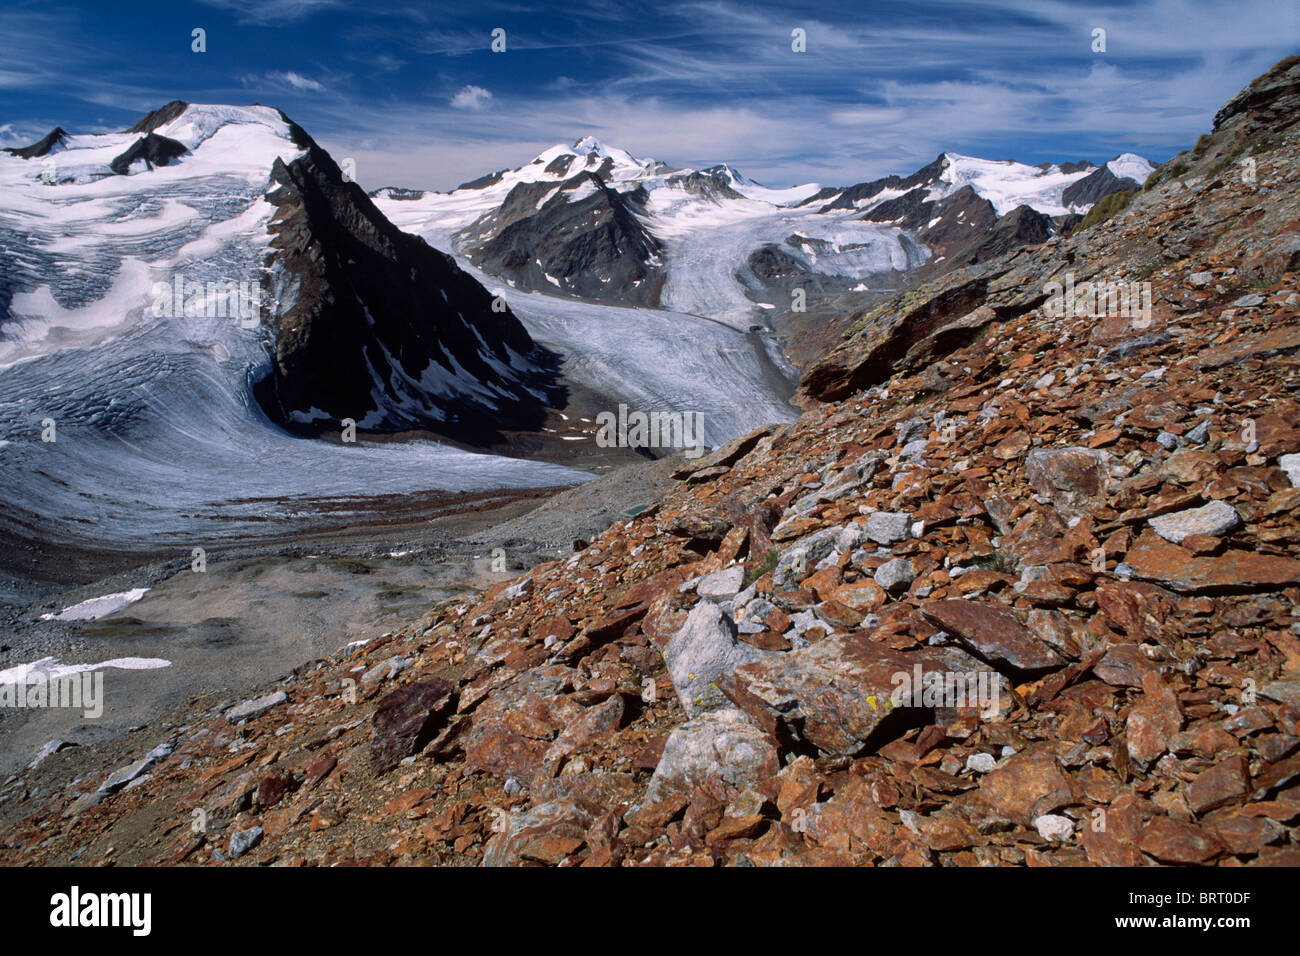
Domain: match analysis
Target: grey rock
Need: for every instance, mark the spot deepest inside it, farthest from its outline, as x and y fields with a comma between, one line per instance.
x=910, y=430
x=120, y=777
x=1133, y=346
x=1291, y=465
x=1199, y=434
x=1054, y=828
x=1282, y=691
x=255, y=707
x=1249, y=301
x=703, y=650
x=981, y=763
x=721, y=585
x=895, y=576
x=242, y=841
x=51, y=747
x=888, y=527
x=723, y=744
x=796, y=559
x=914, y=450
x=385, y=670
x=1200, y=280
x=1167, y=441
x=1216, y=518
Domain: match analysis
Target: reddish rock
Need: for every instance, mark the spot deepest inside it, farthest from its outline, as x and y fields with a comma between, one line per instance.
x=832, y=695
x=407, y=719
x=1174, y=841
x=1022, y=789
x=1225, y=782
x=994, y=633
x=1155, y=559
x=1155, y=718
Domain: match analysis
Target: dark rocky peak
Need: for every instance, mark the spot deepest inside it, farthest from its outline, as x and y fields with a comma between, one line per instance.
x=1101, y=182
x=963, y=219
x=382, y=324
x=560, y=165
x=849, y=197
x=491, y=179
x=585, y=240
x=1022, y=226
x=713, y=183
x=159, y=117
x=155, y=150
x=397, y=193
x=910, y=210
x=47, y=144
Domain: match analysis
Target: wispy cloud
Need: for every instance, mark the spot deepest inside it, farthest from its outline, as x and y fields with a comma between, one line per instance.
x=297, y=81
x=274, y=11
x=882, y=88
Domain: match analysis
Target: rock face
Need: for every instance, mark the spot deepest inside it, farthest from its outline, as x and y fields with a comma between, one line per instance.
x=47, y=144
x=1096, y=185
x=151, y=149
x=705, y=649
x=720, y=745
x=383, y=329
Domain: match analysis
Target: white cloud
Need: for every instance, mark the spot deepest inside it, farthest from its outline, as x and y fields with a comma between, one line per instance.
x=471, y=98
x=297, y=81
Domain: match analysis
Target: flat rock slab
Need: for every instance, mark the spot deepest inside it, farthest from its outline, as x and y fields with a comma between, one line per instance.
x=832, y=694
x=1215, y=519
x=994, y=633
x=1024, y=788
x=406, y=719
x=256, y=707
x=1154, y=559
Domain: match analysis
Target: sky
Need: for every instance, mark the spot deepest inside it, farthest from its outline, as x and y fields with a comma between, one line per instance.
x=415, y=94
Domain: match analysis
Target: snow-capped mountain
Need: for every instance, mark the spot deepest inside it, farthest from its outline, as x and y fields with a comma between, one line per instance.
x=146, y=304
x=183, y=302
x=595, y=221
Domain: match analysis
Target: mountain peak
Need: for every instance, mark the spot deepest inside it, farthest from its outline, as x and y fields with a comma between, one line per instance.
x=589, y=144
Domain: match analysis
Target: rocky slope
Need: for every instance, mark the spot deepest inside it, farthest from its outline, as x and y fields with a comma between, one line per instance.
x=1096, y=514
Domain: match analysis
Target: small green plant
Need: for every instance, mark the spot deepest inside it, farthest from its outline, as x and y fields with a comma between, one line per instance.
x=997, y=561
x=767, y=564
x=1109, y=205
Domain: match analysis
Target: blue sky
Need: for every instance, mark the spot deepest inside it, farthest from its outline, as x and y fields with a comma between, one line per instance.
x=413, y=92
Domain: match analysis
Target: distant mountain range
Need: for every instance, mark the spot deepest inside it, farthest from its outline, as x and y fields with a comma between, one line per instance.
x=594, y=221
